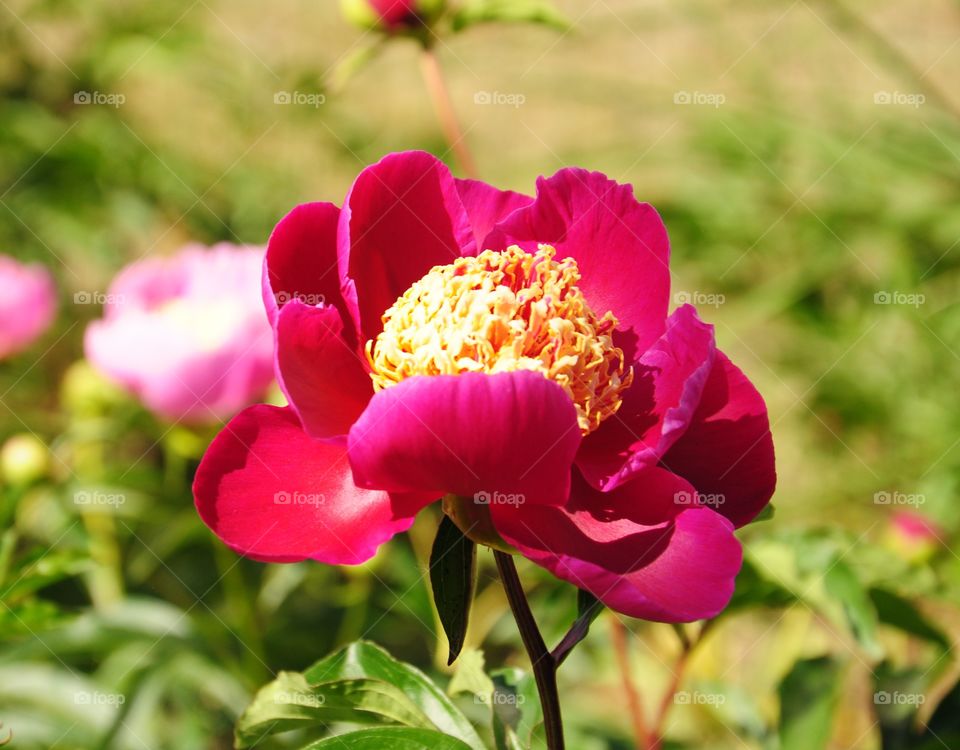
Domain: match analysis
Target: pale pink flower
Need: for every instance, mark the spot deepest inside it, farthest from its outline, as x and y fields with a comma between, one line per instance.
x=187, y=334
x=28, y=304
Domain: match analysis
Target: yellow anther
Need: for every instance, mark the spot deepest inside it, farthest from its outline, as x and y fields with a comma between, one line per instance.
x=501, y=312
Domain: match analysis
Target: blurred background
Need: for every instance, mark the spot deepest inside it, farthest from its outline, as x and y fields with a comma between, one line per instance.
x=805, y=157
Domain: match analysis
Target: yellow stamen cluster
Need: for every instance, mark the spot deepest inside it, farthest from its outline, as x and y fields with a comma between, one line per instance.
x=501, y=312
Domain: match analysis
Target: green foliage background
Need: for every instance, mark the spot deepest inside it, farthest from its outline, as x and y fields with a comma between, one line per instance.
x=791, y=205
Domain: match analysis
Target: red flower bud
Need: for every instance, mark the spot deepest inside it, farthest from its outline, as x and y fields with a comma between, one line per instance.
x=391, y=15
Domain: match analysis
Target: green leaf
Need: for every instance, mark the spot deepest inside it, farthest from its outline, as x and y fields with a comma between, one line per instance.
x=842, y=583
x=291, y=702
x=54, y=706
x=900, y=613
x=470, y=676
x=365, y=659
x=453, y=575
x=808, y=699
x=736, y=707
x=40, y=569
x=754, y=590
x=899, y=694
x=539, y=12
x=766, y=514
x=811, y=567
x=516, y=708
x=390, y=738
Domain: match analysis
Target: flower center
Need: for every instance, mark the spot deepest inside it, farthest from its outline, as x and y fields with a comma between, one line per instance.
x=502, y=312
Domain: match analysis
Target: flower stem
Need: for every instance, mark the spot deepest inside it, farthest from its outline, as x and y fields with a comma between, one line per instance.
x=437, y=88
x=544, y=666
x=618, y=635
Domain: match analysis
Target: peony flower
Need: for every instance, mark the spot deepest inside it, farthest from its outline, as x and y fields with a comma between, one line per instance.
x=186, y=334
x=514, y=355
x=28, y=304
x=391, y=15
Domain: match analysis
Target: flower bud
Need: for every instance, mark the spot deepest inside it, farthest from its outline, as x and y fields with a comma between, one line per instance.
x=913, y=536
x=85, y=392
x=391, y=15
x=23, y=459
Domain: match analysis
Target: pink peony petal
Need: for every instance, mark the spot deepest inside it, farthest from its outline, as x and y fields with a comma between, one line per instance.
x=322, y=377
x=402, y=216
x=641, y=549
x=620, y=245
x=273, y=494
x=487, y=206
x=513, y=433
x=727, y=451
x=301, y=262
x=668, y=381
